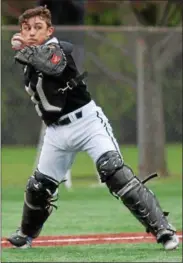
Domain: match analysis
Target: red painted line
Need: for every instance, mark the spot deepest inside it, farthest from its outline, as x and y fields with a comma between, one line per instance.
x=137, y=234
x=92, y=242
x=122, y=238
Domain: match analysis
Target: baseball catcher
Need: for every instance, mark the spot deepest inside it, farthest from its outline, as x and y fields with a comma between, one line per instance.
x=74, y=123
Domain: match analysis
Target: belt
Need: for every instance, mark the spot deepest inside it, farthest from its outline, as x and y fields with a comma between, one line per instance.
x=67, y=120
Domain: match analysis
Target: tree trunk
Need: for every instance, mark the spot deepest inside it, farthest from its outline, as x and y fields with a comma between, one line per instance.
x=146, y=121
x=160, y=141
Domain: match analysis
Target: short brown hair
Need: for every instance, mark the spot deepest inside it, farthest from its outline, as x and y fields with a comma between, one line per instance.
x=41, y=11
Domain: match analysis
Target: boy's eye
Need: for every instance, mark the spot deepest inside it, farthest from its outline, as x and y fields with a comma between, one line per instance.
x=26, y=28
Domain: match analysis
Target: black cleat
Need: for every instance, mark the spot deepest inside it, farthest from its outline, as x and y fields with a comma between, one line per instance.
x=20, y=240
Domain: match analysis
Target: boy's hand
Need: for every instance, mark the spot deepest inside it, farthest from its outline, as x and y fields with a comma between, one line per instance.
x=17, y=41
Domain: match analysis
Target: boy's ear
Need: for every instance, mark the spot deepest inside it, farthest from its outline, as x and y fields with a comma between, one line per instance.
x=51, y=30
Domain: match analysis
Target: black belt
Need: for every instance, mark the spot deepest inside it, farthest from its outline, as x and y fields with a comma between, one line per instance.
x=67, y=120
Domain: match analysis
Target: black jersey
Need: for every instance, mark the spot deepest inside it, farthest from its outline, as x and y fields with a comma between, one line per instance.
x=46, y=91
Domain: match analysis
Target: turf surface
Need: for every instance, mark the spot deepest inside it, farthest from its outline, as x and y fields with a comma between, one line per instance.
x=88, y=210
x=94, y=253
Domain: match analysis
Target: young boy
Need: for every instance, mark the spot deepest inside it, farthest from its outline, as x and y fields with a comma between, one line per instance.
x=74, y=123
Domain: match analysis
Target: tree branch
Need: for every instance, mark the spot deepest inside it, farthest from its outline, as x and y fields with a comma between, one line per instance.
x=115, y=76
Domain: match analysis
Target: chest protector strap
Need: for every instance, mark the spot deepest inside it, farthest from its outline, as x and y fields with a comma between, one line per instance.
x=73, y=83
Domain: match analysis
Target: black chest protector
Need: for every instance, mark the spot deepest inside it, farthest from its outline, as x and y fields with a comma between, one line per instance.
x=48, y=93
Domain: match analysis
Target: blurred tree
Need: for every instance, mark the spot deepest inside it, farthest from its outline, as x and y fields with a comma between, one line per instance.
x=123, y=115
x=102, y=13
x=12, y=9
x=65, y=12
x=161, y=14
x=158, y=13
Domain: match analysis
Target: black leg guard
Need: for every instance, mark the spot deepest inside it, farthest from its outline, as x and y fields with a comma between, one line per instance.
x=141, y=202
x=33, y=220
x=37, y=205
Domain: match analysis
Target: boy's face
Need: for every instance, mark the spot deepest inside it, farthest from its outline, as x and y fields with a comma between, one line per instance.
x=35, y=31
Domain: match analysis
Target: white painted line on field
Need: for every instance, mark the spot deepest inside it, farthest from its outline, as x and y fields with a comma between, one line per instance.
x=84, y=239
x=67, y=240
x=126, y=238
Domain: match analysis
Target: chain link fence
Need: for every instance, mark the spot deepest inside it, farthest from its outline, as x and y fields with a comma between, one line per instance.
x=111, y=56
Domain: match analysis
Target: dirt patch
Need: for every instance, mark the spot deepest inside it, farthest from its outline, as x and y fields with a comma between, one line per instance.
x=122, y=238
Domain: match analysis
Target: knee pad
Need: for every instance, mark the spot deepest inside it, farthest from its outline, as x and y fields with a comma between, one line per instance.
x=108, y=164
x=118, y=176
x=40, y=190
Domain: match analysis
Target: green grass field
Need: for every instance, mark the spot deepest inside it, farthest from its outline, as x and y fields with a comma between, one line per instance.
x=87, y=210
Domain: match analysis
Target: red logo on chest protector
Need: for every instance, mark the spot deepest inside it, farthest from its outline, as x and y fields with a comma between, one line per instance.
x=55, y=59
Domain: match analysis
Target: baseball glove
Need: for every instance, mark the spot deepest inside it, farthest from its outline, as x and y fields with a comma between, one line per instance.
x=47, y=59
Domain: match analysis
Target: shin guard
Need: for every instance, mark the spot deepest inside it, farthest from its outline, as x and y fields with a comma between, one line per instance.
x=39, y=195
